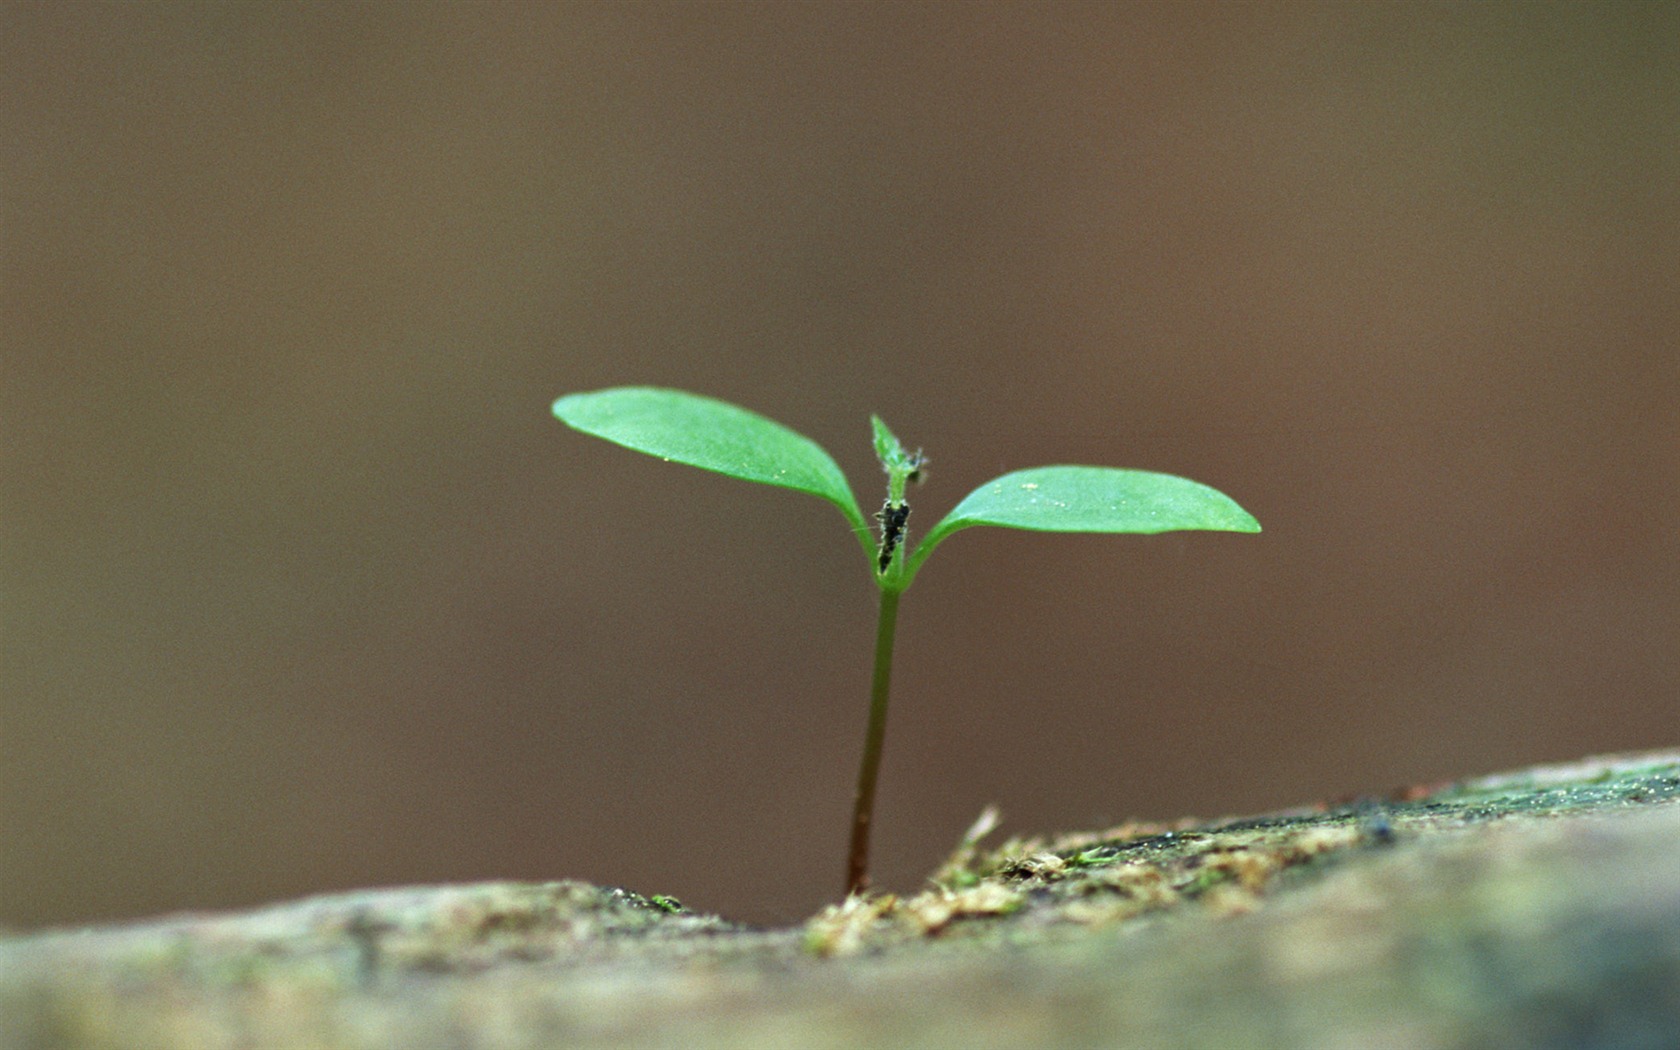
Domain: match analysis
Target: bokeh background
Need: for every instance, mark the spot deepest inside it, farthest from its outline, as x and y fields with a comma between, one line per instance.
x=304, y=589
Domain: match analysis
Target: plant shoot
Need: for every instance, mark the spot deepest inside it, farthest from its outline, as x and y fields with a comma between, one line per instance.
x=680, y=427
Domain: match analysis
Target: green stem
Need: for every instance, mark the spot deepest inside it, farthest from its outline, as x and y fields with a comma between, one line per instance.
x=857, y=866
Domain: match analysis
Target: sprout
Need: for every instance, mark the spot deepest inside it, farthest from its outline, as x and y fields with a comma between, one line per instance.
x=714, y=435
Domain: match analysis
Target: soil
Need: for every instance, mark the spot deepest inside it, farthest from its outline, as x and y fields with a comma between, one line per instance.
x=1533, y=909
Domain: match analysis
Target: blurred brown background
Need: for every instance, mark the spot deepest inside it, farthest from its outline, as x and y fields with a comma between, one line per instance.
x=304, y=588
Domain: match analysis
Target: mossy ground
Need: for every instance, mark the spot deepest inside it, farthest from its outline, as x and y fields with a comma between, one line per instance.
x=1094, y=918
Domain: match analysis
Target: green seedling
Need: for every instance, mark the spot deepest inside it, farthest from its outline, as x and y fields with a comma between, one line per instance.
x=680, y=427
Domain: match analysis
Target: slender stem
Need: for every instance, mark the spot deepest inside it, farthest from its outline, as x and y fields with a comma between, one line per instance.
x=857, y=866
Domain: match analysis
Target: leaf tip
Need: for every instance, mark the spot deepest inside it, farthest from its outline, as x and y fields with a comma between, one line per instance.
x=565, y=407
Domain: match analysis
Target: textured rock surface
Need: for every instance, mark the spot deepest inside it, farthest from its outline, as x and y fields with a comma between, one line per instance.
x=1534, y=909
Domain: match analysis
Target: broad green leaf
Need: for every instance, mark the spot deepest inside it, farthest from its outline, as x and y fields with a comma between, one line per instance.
x=1091, y=499
x=680, y=427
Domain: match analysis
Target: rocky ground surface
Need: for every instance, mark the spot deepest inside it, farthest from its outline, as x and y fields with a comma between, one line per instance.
x=1533, y=909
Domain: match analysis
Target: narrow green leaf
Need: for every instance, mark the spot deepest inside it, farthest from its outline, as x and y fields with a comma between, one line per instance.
x=888, y=449
x=1091, y=499
x=713, y=435
x=898, y=463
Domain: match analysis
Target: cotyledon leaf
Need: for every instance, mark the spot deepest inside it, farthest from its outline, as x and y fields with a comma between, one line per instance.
x=713, y=435
x=1091, y=499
